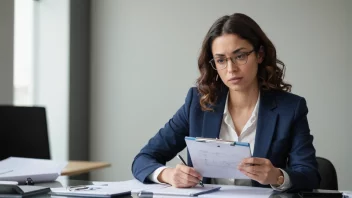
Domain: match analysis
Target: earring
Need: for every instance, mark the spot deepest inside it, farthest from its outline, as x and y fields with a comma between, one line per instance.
x=217, y=77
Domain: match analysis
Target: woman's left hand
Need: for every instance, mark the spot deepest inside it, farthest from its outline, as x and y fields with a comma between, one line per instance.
x=260, y=170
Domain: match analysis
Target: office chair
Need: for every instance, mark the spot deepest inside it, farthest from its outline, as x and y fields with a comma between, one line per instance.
x=328, y=174
x=23, y=132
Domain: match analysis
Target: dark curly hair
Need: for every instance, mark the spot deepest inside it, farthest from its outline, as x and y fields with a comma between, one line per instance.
x=270, y=72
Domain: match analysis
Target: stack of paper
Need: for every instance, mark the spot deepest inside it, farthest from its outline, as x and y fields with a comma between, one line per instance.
x=347, y=194
x=239, y=192
x=23, y=169
x=106, y=189
x=172, y=191
x=109, y=189
x=90, y=191
x=133, y=185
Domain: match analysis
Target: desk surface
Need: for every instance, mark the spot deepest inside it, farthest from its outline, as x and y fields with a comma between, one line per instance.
x=80, y=167
x=64, y=182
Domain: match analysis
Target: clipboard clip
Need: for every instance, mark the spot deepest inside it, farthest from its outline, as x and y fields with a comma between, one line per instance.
x=199, y=139
x=216, y=140
x=29, y=181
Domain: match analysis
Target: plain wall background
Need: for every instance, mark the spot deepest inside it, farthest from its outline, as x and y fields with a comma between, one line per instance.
x=6, y=51
x=144, y=60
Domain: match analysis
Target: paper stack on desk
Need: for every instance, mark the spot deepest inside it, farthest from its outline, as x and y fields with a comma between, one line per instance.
x=240, y=192
x=106, y=189
x=347, y=194
x=23, y=170
x=112, y=189
x=133, y=185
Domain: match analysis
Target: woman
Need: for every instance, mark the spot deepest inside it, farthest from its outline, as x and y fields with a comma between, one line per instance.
x=240, y=96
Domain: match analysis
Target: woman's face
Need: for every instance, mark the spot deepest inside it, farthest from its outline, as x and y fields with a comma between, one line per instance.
x=240, y=74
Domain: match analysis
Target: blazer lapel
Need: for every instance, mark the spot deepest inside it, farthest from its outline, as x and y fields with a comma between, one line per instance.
x=212, y=119
x=265, y=125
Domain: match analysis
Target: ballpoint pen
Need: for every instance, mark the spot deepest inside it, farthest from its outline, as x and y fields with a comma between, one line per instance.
x=184, y=163
x=77, y=188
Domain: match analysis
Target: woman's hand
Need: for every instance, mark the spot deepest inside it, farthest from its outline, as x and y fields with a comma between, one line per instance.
x=180, y=177
x=260, y=170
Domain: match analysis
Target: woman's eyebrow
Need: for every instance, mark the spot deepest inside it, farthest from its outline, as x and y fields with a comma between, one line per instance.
x=234, y=52
x=238, y=50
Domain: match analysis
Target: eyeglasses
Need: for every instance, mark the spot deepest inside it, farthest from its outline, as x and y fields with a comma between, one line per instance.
x=220, y=63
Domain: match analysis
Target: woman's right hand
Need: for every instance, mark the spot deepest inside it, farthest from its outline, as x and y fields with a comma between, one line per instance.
x=180, y=177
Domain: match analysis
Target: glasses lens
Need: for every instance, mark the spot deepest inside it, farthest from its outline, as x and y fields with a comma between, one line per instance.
x=240, y=59
x=221, y=63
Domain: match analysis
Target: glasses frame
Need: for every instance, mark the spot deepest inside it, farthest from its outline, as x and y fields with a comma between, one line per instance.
x=213, y=64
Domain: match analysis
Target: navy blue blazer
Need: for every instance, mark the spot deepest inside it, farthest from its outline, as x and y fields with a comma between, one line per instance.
x=282, y=136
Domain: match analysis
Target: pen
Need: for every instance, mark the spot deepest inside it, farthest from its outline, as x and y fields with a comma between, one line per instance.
x=184, y=163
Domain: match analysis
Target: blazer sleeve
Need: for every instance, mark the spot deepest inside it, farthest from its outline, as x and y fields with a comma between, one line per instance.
x=165, y=145
x=302, y=163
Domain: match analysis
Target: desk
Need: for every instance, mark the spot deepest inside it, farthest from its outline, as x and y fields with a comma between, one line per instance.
x=63, y=182
x=80, y=167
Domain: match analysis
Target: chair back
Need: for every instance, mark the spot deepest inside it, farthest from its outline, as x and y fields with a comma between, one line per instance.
x=23, y=132
x=328, y=174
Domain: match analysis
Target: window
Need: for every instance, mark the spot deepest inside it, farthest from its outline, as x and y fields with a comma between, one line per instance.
x=24, y=52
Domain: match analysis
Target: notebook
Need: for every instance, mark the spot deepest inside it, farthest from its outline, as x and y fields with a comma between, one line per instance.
x=7, y=190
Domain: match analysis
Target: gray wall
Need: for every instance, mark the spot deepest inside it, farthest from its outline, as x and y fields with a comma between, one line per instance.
x=79, y=81
x=144, y=56
x=6, y=51
x=349, y=90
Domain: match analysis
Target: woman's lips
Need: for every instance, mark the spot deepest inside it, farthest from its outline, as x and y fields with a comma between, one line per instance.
x=235, y=80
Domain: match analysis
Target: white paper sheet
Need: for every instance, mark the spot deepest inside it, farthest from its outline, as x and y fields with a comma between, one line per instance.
x=239, y=192
x=347, y=194
x=172, y=191
x=39, y=170
x=217, y=160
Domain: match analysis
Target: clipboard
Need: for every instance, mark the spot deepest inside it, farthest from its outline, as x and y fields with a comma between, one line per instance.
x=216, y=158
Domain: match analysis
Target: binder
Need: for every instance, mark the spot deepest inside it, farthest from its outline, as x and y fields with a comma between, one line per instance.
x=216, y=158
x=321, y=193
x=9, y=190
